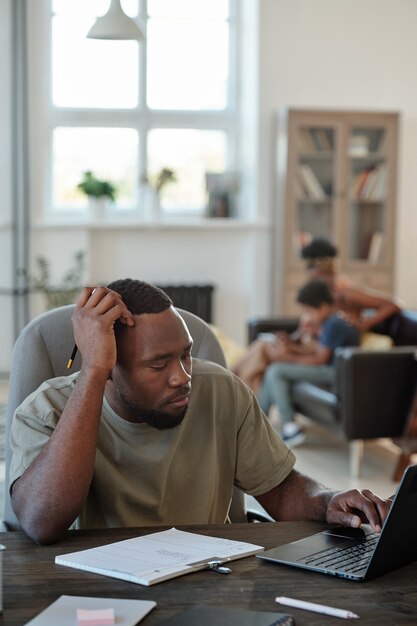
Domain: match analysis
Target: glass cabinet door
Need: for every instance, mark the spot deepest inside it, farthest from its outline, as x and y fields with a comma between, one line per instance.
x=314, y=185
x=367, y=194
x=336, y=173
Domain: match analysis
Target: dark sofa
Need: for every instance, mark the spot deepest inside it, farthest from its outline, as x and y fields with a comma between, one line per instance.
x=373, y=390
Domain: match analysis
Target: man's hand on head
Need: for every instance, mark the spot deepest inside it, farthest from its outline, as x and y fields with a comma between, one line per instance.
x=96, y=312
x=355, y=507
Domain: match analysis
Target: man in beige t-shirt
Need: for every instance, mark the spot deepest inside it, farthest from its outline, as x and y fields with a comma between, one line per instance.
x=144, y=434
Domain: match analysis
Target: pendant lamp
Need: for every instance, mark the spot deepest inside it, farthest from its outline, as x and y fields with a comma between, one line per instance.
x=115, y=24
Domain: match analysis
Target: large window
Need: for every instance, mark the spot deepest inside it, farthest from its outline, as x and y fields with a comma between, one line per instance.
x=126, y=110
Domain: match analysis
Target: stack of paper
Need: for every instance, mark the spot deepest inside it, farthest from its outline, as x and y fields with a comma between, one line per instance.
x=153, y=558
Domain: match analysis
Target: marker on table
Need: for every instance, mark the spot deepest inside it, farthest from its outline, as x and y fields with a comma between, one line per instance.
x=317, y=608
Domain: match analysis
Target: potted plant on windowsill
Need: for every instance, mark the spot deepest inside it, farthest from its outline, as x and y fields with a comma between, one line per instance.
x=154, y=186
x=64, y=292
x=99, y=193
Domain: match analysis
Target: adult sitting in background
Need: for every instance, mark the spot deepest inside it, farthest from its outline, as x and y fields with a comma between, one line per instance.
x=146, y=435
x=318, y=305
x=364, y=309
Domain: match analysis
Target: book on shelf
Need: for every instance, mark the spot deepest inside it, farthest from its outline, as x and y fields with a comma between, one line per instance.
x=306, y=142
x=311, y=183
x=323, y=140
x=159, y=556
x=379, y=189
x=314, y=140
x=382, y=143
x=375, y=187
x=361, y=182
x=315, y=135
x=376, y=247
x=370, y=183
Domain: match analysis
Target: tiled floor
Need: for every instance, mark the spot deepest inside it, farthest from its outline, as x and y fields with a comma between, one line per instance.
x=326, y=457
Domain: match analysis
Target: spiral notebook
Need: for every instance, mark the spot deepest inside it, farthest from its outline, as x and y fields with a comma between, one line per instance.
x=216, y=616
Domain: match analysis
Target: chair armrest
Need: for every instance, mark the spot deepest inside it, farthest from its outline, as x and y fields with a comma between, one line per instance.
x=258, y=325
x=375, y=390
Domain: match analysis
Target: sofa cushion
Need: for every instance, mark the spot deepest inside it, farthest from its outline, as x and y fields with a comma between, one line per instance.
x=318, y=403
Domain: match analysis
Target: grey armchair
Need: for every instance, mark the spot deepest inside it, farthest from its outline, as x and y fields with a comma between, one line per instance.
x=41, y=352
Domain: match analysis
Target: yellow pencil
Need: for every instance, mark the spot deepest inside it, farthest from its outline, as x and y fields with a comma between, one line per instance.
x=72, y=357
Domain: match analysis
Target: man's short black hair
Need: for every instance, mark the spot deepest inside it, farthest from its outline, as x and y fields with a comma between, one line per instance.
x=319, y=248
x=315, y=293
x=141, y=297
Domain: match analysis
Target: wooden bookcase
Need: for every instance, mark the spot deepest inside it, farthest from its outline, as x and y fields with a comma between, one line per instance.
x=336, y=178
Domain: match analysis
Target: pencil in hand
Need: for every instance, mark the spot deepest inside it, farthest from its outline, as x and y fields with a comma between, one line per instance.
x=72, y=357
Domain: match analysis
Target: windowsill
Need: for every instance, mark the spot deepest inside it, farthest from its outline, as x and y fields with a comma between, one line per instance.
x=122, y=223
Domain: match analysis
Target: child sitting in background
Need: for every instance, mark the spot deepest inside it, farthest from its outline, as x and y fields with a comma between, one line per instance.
x=316, y=366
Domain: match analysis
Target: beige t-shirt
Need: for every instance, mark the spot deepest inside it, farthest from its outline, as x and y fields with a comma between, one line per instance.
x=185, y=475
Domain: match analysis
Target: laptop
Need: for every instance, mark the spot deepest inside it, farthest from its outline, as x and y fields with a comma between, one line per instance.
x=359, y=553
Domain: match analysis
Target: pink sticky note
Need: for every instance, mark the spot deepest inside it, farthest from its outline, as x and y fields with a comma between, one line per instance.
x=100, y=617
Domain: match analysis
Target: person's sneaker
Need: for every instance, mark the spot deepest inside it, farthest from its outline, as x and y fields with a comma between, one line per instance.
x=292, y=434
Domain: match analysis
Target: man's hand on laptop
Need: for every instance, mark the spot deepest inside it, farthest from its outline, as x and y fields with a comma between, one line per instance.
x=356, y=507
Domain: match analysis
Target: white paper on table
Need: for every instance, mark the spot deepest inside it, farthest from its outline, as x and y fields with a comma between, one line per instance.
x=63, y=612
x=156, y=557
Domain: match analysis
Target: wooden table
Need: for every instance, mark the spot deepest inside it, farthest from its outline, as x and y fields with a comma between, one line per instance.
x=32, y=581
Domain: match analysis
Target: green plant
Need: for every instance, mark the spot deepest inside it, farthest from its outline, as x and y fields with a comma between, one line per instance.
x=64, y=293
x=161, y=178
x=96, y=188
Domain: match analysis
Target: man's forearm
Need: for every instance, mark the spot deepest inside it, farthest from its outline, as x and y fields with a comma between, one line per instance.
x=297, y=498
x=49, y=495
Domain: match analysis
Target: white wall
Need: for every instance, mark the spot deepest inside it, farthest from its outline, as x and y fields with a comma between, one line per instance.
x=228, y=256
x=358, y=54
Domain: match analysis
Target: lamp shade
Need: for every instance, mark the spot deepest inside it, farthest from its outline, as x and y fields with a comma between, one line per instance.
x=115, y=24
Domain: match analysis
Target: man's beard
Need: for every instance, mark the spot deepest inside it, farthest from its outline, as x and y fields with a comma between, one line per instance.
x=159, y=419
x=154, y=418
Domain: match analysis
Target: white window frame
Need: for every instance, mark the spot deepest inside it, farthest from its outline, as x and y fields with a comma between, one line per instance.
x=44, y=117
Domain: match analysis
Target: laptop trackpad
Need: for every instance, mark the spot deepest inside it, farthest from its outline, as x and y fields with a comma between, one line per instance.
x=307, y=547
x=347, y=532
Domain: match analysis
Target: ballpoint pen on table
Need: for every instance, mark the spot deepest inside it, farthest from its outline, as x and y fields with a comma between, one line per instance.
x=72, y=357
x=317, y=608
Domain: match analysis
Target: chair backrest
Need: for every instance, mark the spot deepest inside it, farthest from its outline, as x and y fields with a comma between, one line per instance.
x=42, y=351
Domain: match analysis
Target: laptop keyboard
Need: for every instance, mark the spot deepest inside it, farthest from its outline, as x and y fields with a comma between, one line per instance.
x=352, y=559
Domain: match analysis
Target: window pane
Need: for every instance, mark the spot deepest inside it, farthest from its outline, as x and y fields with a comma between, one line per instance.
x=189, y=8
x=95, y=8
x=110, y=153
x=186, y=70
x=92, y=72
x=190, y=154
